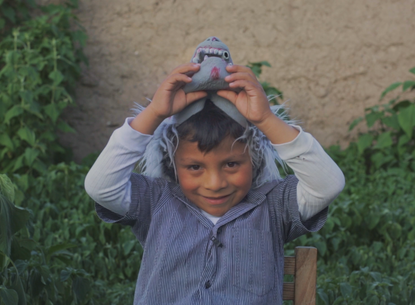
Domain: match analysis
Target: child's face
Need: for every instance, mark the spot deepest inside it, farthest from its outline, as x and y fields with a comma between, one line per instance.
x=214, y=181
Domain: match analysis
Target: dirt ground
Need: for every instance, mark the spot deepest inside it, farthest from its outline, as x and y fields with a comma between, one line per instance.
x=331, y=59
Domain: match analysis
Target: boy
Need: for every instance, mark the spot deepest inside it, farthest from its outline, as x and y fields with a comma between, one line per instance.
x=213, y=227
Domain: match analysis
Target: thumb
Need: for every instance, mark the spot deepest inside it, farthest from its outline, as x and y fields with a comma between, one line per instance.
x=229, y=95
x=194, y=96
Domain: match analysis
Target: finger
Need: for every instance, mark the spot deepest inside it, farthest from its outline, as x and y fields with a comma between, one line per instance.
x=240, y=75
x=229, y=95
x=186, y=68
x=239, y=68
x=246, y=85
x=194, y=96
x=178, y=78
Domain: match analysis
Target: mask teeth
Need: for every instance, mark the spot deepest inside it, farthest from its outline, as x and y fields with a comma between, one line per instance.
x=203, y=53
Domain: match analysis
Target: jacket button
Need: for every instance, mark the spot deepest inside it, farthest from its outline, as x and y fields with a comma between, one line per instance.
x=208, y=284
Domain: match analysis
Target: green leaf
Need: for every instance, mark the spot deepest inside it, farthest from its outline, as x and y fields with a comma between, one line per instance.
x=9, y=13
x=18, y=287
x=9, y=296
x=354, y=123
x=321, y=246
x=403, y=139
x=401, y=105
x=20, y=216
x=412, y=70
x=2, y=23
x=65, y=274
x=15, y=111
x=27, y=135
x=402, y=148
x=6, y=141
x=384, y=140
x=346, y=289
x=364, y=142
x=34, y=108
x=128, y=246
x=5, y=227
x=56, y=249
x=7, y=187
x=406, y=118
x=372, y=117
x=379, y=159
x=52, y=111
x=18, y=163
x=81, y=288
x=408, y=84
x=372, y=220
x=30, y=155
x=56, y=76
x=391, y=121
x=390, y=88
x=323, y=296
x=26, y=96
x=63, y=126
x=395, y=230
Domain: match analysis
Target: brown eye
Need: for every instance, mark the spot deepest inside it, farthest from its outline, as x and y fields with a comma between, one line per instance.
x=193, y=167
x=231, y=164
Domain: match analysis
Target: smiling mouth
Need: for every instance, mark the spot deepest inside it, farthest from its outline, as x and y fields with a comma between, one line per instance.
x=217, y=200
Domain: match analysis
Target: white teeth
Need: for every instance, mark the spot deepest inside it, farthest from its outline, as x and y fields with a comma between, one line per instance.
x=220, y=52
x=206, y=50
x=216, y=51
x=211, y=51
x=206, y=57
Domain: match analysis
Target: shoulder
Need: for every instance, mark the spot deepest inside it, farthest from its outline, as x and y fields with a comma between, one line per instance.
x=288, y=183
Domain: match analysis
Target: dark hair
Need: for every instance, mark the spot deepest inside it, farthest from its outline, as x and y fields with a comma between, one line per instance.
x=209, y=127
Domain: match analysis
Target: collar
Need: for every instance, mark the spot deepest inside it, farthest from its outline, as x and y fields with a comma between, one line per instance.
x=253, y=198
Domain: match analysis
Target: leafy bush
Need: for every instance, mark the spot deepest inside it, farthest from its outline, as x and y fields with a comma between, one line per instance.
x=391, y=136
x=367, y=247
x=40, y=64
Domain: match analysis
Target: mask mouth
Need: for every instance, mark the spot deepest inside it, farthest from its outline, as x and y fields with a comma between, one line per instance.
x=204, y=53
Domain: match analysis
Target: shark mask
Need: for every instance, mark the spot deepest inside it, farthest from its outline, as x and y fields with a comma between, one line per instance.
x=213, y=56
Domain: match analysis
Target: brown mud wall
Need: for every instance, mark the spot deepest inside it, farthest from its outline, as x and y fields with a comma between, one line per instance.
x=331, y=58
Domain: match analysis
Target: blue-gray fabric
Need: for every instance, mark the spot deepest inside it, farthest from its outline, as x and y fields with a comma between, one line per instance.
x=189, y=260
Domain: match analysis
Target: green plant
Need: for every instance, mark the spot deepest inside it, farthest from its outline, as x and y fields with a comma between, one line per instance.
x=390, y=140
x=40, y=64
x=367, y=246
x=273, y=93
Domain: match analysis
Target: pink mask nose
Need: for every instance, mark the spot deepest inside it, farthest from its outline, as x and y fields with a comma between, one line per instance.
x=215, y=39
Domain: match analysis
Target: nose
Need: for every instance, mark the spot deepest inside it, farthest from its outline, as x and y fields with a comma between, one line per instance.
x=215, y=181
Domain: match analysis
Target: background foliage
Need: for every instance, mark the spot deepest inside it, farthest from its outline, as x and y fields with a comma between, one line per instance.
x=54, y=250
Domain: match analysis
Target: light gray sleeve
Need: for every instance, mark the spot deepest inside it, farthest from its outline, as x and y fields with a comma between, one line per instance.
x=108, y=181
x=320, y=179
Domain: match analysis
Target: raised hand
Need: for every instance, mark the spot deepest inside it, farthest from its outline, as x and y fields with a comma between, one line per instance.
x=253, y=104
x=251, y=101
x=169, y=99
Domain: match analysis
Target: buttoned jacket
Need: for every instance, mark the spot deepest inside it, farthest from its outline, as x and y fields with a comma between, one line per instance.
x=189, y=260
